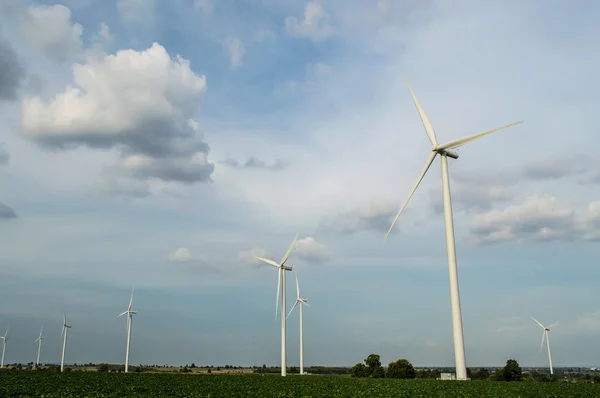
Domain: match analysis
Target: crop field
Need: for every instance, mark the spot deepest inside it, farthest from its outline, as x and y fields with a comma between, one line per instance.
x=92, y=384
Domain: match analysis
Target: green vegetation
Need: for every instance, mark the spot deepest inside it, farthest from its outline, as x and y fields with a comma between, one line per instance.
x=112, y=384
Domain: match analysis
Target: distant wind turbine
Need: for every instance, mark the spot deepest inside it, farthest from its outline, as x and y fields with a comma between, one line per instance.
x=63, y=333
x=545, y=335
x=4, y=340
x=281, y=268
x=302, y=303
x=444, y=150
x=39, y=341
x=129, y=314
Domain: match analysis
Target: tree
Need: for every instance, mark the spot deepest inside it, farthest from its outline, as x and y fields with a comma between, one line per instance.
x=374, y=368
x=359, y=370
x=512, y=371
x=103, y=368
x=401, y=369
x=193, y=365
x=481, y=374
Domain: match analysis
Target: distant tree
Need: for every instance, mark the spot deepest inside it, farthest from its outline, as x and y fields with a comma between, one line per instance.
x=193, y=365
x=596, y=379
x=511, y=371
x=294, y=369
x=218, y=368
x=481, y=374
x=374, y=368
x=359, y=370
x=208, y=370
x=401, y=369
x=103, y=368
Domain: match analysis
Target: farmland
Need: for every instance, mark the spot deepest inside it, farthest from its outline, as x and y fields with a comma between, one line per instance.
x=93, y=384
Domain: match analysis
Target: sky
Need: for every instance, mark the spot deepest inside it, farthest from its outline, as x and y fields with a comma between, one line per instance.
x=165, y=144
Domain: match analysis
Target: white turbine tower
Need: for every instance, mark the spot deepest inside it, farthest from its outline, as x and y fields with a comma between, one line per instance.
x=63, y=334
x=129, y=314
x=281, y=268
x=545, y=335
x=4, y=340
x=444, y=150
x=39, y=341
x=302, y=303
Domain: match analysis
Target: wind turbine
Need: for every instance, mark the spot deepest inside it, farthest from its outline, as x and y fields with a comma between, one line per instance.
x=129, y=314
x=64, y=330
x=546, y=336
x=4, y=339
x=281, y=268
x=444, y=150
x=302, y=303
x=39, y=341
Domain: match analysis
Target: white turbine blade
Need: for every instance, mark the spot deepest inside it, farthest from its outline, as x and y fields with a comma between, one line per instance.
x=412, y=191
x=297, y=287
x=289, y=313
x=538, y=322
x=287, y=254
x=551, y=326
x=462, y=141
x=131, y=298
x=306, y=303
x=62, y=331
x=278, y=289
x=121, y=314
x=542, y=343
x=426, y=123
x=266, y=260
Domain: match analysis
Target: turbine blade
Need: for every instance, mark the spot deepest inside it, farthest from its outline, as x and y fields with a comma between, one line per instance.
x=289, y=313
x=426, y=123
x=554, y=324
x=297, y=287
x=287, y=254
x=538, y=322
x=266, y=260
x=278, y=289
x=62, y=331
x=306, y=303
x=131, y=298
x=412, y=191
x=121, y=314
x=462, y=141
x=542, y=343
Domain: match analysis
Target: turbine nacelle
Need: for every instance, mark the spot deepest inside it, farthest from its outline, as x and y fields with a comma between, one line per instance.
x=450, y=154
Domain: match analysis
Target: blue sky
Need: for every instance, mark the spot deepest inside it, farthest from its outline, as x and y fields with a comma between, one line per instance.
x=162, y=144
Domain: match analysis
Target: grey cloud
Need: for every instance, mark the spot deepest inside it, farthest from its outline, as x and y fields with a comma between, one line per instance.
x=6, y=212
x=12, y=71
x=376, y=215
x=308, y=249
x=471, y=197
x=254, y=163
x=182, y=170
x=553, y=168
x=4, y=155
x=122, y=187
x=538, y=218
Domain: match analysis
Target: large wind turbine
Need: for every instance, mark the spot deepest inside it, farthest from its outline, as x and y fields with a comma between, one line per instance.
x=39, y=341
x=129, y=314
x=302, y=303
x=4, y=339
x=281, y=268
x=546, y=336
x=63, y=333
x=444, y=150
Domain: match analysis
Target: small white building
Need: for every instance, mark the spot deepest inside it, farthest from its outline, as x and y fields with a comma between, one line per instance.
x=447, y=376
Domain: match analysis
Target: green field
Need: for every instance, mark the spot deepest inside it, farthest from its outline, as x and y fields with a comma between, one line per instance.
x=92, y=384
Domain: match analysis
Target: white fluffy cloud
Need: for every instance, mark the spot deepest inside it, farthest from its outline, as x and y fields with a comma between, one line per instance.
x=538, y=218
x=139, y=102
x=316, y=24
x=235, y=51
x=49, y=30
x=308, y=249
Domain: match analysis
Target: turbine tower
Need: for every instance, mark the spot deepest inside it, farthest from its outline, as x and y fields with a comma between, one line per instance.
x=546, y=330
x=281, y=268
x=4, y=340
x=129, y=314
x=39, y=341
x=302, y=302
x=444, y=150
x=63, y=334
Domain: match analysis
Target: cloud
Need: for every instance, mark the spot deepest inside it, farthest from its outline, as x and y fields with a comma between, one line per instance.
x=308, y=249
x=49, y=30
x=538, y=218
x=207, y=6
x=254, y=163
x=6, y=212
x=122, y=187
x=316, y=24
x=235, y=50
x=140, y=103
x=249, y=256
x=135, y=10
x=4, y=155
x=184, y=256
x=552, y=168
x=375, y=215
x=12, y=71
x=589, y=322
x=472, y=195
